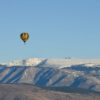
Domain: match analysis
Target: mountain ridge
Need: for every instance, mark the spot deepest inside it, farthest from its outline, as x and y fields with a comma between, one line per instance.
x=53, y=72
x=67, y=62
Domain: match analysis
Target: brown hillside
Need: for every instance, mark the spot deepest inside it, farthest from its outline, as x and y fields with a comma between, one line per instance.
x=29, y=92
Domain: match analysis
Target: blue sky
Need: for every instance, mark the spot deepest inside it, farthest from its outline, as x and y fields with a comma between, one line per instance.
x=57, y=28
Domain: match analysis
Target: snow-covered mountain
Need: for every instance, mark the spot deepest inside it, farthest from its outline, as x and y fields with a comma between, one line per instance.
x=25, y=62
x=73, y=72
x=59, y=63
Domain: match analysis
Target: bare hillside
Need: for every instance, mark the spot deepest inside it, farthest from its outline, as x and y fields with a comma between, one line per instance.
x=29, y=92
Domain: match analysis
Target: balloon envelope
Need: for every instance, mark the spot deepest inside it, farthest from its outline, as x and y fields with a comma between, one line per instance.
x=24, y=36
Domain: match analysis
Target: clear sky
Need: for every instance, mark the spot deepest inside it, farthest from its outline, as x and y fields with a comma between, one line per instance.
x=57, y=28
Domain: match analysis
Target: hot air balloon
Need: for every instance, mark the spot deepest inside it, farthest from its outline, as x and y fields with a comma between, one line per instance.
x=24, y=36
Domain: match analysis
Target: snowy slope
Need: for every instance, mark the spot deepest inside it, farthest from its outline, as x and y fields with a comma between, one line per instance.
x=84, y=73
x=25, y=62
x=60, y=63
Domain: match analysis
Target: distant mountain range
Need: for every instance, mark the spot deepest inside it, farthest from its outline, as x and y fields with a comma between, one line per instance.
x=71, y=72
